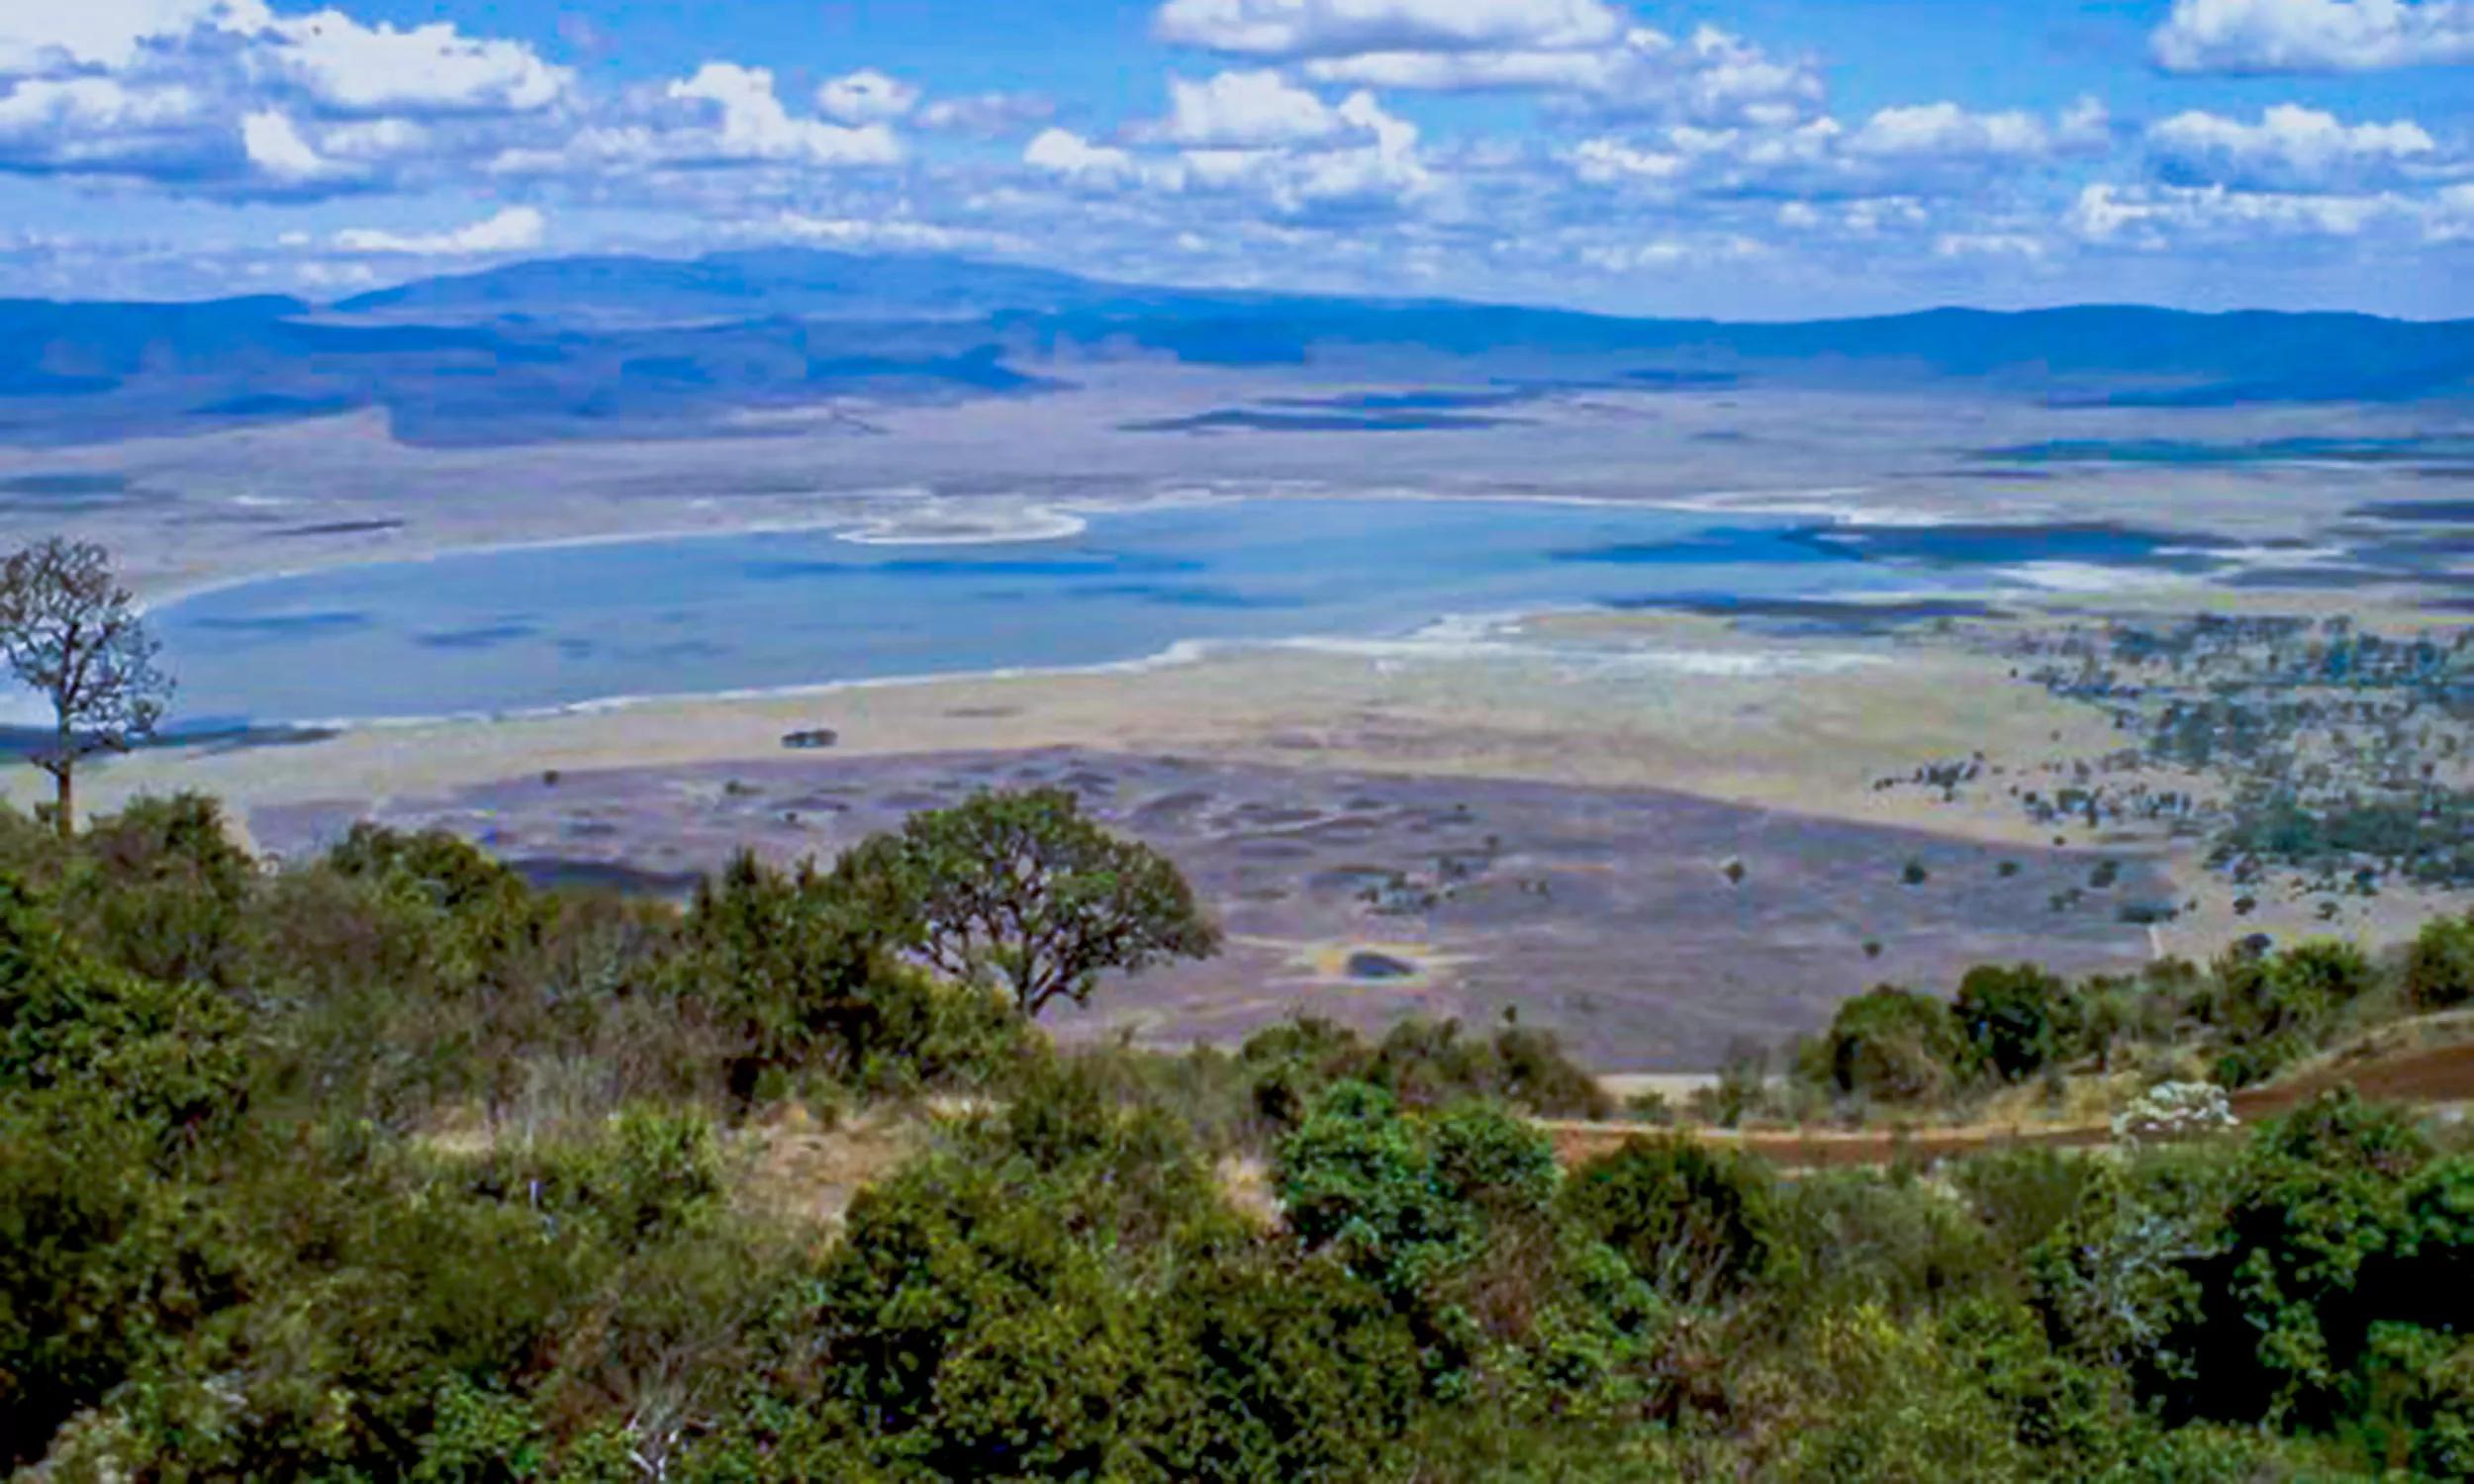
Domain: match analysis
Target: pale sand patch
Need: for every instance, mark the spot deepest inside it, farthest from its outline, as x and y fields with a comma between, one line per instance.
x=1676, y=1087
x=1810, y=737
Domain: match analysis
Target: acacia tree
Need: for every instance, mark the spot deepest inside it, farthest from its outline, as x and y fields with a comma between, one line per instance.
x=1020, y=889
x=73, y=635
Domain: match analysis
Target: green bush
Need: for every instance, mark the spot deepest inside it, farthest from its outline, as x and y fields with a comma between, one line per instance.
x=1865, y=1237
x=1895, y=1045
x=2317, y=1200
x=2017, y=1020
x=97, y=1274
x=1699, y=1225
x=1421, y=1063
x=160, y=889
x=2021, y=1195
x=170, y=1056
x=1356, y=1179
x=2415, y=1400
x=2439, y=968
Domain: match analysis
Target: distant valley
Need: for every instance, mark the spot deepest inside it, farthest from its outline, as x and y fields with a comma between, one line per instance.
x=625, y=348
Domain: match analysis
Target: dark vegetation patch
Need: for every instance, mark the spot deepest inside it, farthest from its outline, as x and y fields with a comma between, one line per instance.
x=487, y=636
x=65, y=486
x=1368, y=965
x=286, y=625
x=274, y=407
x=69, y=492
x=2104, y=544
x=1406, y=401
x=341, y=528
x=2416, y=512
x=2177, y=451
x=1717, y=546
x=1814, y=614
x=1681, y=381
x=553, y=873
x=215, y=736
x=1239, y=419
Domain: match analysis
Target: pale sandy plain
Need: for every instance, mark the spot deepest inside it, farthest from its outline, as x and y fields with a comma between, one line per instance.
x=1803, y=724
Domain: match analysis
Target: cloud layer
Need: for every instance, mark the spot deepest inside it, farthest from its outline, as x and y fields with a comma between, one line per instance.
x=1564, y=149
x=2314, y=36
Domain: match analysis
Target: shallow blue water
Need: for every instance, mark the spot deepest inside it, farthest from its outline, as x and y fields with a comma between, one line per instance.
x=514, y=630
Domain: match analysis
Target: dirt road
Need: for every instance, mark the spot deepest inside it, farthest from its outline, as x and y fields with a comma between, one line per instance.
x=2428, y=1076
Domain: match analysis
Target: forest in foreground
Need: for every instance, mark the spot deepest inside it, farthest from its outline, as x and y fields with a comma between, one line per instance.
x=386, y=1164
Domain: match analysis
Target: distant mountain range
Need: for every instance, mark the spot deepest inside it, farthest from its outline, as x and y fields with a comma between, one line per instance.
x=603, y=346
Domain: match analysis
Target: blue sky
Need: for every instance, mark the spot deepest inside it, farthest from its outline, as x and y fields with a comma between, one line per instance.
x=1764, y=158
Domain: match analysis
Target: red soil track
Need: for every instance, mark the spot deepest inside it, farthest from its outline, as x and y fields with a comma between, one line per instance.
x=2428, y=1074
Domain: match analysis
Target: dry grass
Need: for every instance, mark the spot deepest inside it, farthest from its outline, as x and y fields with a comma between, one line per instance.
x=802, y=1170
x=1245, y=1182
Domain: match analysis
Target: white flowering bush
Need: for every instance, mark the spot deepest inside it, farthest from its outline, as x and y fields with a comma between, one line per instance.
x=2174, y=1110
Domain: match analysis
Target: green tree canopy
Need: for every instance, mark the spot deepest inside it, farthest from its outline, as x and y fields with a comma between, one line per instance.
x=2017, y=1019
x=1020, y=889
x=1894, y=1045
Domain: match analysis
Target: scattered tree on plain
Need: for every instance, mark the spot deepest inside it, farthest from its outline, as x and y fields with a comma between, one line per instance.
x=73, y=635
x=1021, y=890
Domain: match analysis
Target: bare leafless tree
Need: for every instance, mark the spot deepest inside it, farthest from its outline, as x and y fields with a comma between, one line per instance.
x=73, y=635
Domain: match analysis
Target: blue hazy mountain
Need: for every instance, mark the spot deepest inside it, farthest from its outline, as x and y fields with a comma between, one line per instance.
x=733, y=286
x=636, y=347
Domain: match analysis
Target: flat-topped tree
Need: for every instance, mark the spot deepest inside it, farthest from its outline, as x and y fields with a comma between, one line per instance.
x=1021, y=890
x=73, y=635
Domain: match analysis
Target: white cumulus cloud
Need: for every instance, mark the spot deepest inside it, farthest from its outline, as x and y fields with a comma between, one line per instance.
x=1668, y=255
x=2290, y=148
x=97, y=123
x=1993, y=244
x=2313, y=35
x=885, y=234
x=351, y=68
x=2155, y=217
x=1295, y=28
x=36, y=36
x=519, y=228
x=1245, y=111
x=754, y=125
x=867, y=96
x=1063, y=153
x=1709, y=76
x=987, y=113
x=1941, y=129
x=278, y=149
x=1927, y=149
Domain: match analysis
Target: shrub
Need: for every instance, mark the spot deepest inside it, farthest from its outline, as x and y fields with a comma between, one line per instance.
x=2255, y=999
x=2016, y=1020
x=160, y=889
x=1421, y=1063
x=794, y=974
x=2439, y=968
x=1858, y=1237
x=1894, y=1046
x=1354, y=1180
x=1287, y=1369
x=2416, y=1401
x=2023, y=1194
x=2174, y=1110
x=1698, y=1224
x=168, y=1055
x=1917, y=1417
x=95, y=1272
x=2318, y=1195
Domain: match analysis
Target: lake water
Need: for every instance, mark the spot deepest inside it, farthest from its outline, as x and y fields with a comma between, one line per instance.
x=523, y=630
